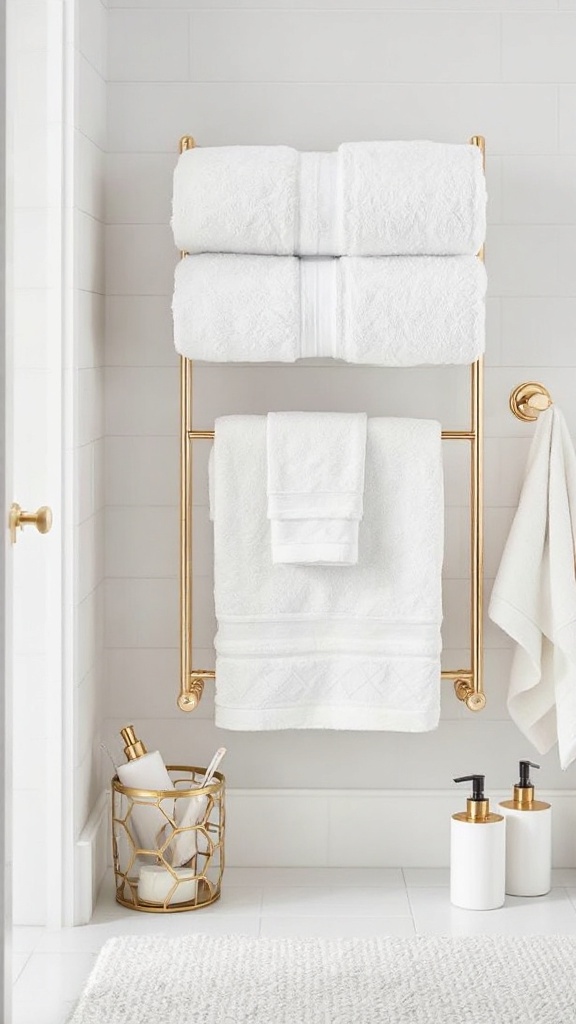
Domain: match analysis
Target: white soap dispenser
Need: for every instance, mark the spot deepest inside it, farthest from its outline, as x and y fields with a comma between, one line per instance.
x=477, y=852
x=145, y=770
x=528, y=839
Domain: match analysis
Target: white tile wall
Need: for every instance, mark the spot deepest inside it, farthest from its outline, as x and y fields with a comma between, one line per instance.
x=89, y=307
x=313, y=73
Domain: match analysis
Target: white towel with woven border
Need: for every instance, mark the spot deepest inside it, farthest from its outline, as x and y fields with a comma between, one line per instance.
x=389, y=311
x=315, y=482
x=368, y=199
x=354, y=647
x=534, y=595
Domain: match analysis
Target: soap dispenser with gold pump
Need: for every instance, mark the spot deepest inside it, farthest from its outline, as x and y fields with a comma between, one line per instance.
x=477, y=852
x=147, y=771
x=528, y=839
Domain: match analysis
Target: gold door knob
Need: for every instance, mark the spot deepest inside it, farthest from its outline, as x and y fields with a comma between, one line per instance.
x=41, y=519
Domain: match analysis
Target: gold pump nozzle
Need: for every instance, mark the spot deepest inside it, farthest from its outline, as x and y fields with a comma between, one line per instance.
x=134, y=747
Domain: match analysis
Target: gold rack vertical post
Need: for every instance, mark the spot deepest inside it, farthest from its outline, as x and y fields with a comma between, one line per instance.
x=468, y=682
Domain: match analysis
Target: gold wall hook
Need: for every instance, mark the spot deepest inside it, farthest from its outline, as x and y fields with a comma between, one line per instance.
x=528, y=400
x=18, y=518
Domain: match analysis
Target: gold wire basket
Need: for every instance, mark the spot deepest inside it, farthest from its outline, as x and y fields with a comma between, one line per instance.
x=181, y=868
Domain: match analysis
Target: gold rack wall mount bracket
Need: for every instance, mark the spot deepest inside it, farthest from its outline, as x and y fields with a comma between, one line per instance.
x=528, y=400
x=468, y=682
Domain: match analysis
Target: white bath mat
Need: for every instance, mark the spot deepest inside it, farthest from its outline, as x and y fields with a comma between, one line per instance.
x=233, y=980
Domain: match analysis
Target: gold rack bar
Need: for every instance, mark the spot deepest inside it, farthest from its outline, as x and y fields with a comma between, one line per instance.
x=468, y=682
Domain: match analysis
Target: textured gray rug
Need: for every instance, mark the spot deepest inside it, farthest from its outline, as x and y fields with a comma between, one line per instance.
x=233, y=980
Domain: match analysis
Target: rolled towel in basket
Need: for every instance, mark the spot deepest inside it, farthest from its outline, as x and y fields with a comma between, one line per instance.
x=368, y=199
x=350, y=647
x=315, y=464
x=392, y=311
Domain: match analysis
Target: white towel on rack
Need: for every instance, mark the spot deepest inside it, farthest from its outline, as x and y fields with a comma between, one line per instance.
x=368, y=199
x=389, y=311
x=315, y=486
x=534, y=595
x=354, y=647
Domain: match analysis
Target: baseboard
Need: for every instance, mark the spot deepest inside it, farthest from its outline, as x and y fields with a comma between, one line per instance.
x=363, y=828
x=355, y=828
x=92, y=857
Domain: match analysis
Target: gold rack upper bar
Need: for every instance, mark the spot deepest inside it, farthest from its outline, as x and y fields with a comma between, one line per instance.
x=468, y=682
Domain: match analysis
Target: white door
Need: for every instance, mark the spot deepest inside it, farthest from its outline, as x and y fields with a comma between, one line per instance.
x=37, y=469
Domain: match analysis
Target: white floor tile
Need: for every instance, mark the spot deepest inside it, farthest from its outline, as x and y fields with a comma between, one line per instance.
x=25, y=939
x=19, y=961
x=543, y=915
x=274, y=877
x=53, y=978
x=335, y=927
x=427, y=878
x=41, y=1012
x=334, y=902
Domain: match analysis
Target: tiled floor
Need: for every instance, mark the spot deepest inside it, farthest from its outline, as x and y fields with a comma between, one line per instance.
x=50, y=966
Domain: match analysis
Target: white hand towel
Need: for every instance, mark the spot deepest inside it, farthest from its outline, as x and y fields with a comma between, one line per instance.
x=389, y=311
x=534, y=595
x=315, y=483
x=355, y=647
x=368, y=199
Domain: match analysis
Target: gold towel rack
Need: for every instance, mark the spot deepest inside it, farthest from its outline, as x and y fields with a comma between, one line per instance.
x=468, y=682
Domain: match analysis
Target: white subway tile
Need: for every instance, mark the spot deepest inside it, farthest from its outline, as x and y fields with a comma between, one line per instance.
x=534, y=326
x=90, y=107
x=139, y=331
x=456, y=607
x=84, y=478
x=142, y=401
x=90, y=404
x=263, y=830
x=89, y=252
x=89, y=168
x=88, y=633
x=204, y=618
x=142, y=471
x=146, y=118
x=89, y=330
x=142, y=678
x=141, y=613
x=426, y=392
x=349, y=46
x=140, y=260
x=505, y=461
x=539, y=47
x=202, y=541
x=539, y=189
x=524, y=260
x=147, y=46
x=92, y=33
x=567, y=118
x=142, y=544
x=139, y=188
x=90, y=555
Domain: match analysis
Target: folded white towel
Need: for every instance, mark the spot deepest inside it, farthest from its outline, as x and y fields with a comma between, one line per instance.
x=315, y=474
x=354, y=647
x=368, y=199
x=389, y=311
x=534, y=595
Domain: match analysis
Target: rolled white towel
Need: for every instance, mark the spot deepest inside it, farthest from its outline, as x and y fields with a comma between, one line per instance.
x=368, y=199
x=315, y=486
x=389, y=311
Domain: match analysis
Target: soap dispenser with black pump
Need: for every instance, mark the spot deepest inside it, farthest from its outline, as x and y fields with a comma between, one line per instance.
x=477, y=852
x=528, y=839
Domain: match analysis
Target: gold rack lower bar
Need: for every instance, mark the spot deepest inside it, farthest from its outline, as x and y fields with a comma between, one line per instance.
x=468, y=682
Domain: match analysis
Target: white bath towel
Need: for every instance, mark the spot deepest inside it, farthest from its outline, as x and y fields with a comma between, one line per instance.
x=315, y=486
x=389, y=311
x=534, y=596
x=353, y=647
x=368, y=199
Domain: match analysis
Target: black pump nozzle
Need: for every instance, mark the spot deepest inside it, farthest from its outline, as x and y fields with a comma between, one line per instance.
x=525, y=767
x=477, y=785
